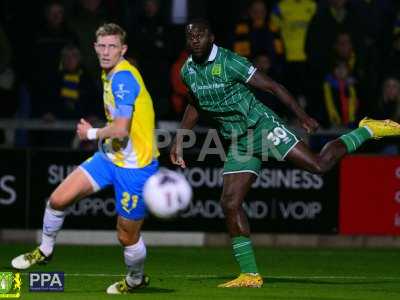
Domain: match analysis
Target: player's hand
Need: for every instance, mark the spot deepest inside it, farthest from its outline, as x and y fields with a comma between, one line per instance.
x=82, y=128
x=176, y=156
x=309, y=124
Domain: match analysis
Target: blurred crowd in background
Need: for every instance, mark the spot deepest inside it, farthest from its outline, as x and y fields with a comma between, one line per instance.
x=339, y=58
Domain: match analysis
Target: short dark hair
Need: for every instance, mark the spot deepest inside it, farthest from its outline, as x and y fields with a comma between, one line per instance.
x=202, y=23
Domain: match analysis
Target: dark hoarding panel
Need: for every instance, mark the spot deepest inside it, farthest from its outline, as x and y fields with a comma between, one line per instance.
x=283, y=198
x=13, y=189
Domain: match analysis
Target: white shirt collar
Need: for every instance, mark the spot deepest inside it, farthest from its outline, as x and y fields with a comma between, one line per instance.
x=213, y=53
x=212, y=56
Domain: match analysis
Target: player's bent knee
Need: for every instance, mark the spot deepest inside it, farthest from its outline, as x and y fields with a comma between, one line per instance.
x=128, y=231
x=125, y=239
x=57, y=202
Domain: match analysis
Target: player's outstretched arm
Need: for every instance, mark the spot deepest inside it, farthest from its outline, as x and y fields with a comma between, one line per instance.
x=119, y=128
x=189, y=120
x=264, y=83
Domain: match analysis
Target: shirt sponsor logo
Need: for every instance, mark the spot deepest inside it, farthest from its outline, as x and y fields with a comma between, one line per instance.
x=207, y=86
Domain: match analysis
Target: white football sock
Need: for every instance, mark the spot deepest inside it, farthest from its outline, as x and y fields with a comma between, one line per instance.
x=135, y=256
x=52, y=223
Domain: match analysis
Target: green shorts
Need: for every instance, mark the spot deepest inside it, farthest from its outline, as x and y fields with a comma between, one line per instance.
x=270, y=138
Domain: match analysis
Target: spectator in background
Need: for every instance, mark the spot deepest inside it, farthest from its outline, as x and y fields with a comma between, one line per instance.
x=5, y=57
x=46, y=51
x=343, y=50
x=263, y=64
x=359, y=68
x=376, y=17
x=389, y=107
x=392, y=61
x=327, y=23
x=76, y=91
x=87, y=17
x=390, y=99
x=180, y=93
x=7, y=80
x=340, y=97
x=292, y=18
x=73, y=96
x=76, y=95
x=376, y=20
x=152, y=44
x=325, y=26
x=7, y=76
x=255, y=33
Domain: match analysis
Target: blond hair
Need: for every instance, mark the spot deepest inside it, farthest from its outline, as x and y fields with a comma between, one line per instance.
x=112, y=29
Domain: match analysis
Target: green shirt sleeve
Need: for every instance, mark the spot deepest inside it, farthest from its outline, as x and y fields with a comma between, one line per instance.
x=239, y=68
x=184, y=74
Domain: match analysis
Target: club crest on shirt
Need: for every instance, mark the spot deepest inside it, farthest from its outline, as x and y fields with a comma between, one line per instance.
x=216, y=70
x=121, y=92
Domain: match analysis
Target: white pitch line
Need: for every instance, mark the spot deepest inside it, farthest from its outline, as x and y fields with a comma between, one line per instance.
x=205, y=276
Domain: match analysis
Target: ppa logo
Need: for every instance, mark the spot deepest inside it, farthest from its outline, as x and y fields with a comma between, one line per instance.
x=46, y=281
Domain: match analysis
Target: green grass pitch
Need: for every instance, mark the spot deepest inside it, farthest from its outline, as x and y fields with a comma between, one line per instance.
x=194, y=273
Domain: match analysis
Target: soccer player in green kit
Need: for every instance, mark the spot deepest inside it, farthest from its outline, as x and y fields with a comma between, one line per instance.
x=219, y=81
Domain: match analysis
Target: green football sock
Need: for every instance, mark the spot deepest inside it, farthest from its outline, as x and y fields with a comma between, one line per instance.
x=354, y=139
x=244, y=254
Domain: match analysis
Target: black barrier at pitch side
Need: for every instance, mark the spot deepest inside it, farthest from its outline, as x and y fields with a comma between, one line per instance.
x=283, y=199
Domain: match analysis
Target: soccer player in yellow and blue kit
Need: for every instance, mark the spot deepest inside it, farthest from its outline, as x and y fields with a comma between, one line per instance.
x=127, y=159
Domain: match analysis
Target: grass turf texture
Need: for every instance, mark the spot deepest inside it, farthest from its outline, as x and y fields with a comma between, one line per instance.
x=194, y=273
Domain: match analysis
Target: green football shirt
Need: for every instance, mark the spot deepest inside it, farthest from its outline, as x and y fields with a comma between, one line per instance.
x=220, y=88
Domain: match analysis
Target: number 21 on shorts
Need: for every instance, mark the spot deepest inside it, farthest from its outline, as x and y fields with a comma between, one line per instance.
x=129, y=202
